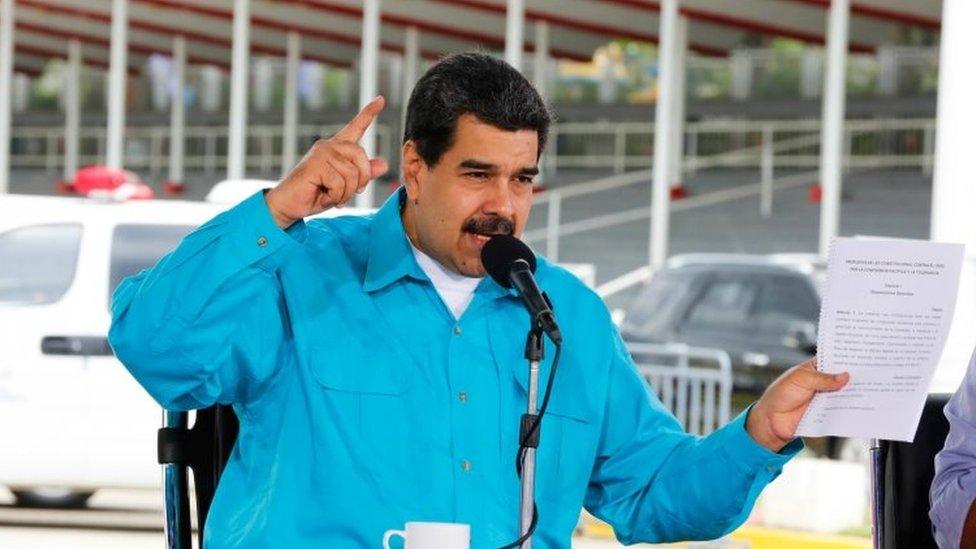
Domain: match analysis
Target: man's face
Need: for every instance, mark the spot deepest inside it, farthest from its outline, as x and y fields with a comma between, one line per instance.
x=481, y=186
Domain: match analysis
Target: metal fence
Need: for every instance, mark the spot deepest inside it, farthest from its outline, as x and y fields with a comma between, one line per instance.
x=622, y=146
x=694, y=383
x=616, y=146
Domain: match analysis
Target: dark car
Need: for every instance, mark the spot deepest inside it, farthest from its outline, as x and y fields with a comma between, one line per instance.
x=762, y=310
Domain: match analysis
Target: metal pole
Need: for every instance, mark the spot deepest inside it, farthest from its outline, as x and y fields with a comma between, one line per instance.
x=177, y=114
x=116, y=85
x=514, y=31
x=766, y=202
x=411, y=59
x=289, y=131
x=176, y=509
x=527, y=501
x=540, y=68
x=877, y=493
x=666, y=101
x=6, y=80
x=552, y=226
x=832, y=127
x=237, y=127
x=368, y=68
x=540, y=77
x=676, y=176
x=72, y=110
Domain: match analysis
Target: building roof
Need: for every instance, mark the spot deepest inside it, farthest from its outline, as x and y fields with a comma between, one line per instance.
x=331, y=28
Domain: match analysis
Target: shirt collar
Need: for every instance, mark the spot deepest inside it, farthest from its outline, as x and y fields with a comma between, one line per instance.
x=391, y=257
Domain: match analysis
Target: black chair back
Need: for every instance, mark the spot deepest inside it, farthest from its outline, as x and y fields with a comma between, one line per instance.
x=908, y=474
x=204, y=448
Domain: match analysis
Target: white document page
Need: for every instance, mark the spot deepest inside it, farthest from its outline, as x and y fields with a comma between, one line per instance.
x=886, y=310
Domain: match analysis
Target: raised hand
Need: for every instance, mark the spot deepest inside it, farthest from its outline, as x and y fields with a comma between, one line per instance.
x=330, y=174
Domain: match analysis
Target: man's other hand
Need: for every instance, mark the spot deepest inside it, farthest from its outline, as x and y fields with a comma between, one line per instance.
x=331, y=173
x=773, y=420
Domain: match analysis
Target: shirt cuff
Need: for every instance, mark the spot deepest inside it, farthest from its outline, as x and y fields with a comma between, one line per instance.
x=257, y=237
x=748, y=454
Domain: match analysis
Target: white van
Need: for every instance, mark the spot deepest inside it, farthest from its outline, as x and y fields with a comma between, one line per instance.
x=72, y=419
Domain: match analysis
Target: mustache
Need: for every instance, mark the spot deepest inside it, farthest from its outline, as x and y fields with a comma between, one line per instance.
x=489, y=226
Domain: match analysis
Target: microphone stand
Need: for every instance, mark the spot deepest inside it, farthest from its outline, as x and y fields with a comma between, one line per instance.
x=534, y=354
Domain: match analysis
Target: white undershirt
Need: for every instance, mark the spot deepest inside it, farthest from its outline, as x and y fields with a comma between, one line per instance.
x=455, y=289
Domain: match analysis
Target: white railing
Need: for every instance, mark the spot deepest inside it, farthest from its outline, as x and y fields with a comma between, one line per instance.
x=894, y=143
x=876, y=143
x=695, y=384
x=146, y=147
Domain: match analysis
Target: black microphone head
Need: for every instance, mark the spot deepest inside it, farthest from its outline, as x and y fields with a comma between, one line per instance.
x=500, y=253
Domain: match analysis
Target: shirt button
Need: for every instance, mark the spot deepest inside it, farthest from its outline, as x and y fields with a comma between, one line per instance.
x=262, y=241
x=463, y=396
x=770, y=468
x=465, y=465
x=457, y=330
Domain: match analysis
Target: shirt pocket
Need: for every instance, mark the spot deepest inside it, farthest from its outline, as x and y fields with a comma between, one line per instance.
x=563, y=469
x=366, y=393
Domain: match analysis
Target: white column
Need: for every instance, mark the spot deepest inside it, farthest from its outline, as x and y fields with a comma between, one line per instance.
x=663, y=145
x=116, y=85
x=72, y=109
x=811, y=73
x=411, y=62
x=6, y=78
x=676, y=176
x=514, y=33
x=177, y=112
x=368, y=68
x=289, y=133
x=394, y=76
x=741, y=67
x=832, y=124
x=887, y=71
x=21, y=92
x=237, y=130
x=607, y=91
x=952, y=217
x=540, y=71
x=263, y=82
x=210, y=85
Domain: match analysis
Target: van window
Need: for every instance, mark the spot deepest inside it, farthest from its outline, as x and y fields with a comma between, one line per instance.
x=139, y=246
x=726, y=304
x=37, y=262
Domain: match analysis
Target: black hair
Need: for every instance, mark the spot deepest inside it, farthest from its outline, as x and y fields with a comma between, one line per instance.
x=471, y=83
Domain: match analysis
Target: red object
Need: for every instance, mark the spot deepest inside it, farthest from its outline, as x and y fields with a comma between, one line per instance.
x=92, y=178
x=114, y=184
x=678, y=192
x=140, y=191
x=64, y=187
x=173, y=188
x=815, y=193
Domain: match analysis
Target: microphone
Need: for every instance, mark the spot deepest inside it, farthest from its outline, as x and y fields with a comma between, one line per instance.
x=511, y=263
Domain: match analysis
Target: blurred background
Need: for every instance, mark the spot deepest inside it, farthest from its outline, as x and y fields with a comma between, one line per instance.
x=705, y=153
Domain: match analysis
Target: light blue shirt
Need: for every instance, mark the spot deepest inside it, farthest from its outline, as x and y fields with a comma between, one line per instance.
x=954, y=486
x=364, y=403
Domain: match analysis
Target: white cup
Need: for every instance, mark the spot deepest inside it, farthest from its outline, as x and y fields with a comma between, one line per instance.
x=431, y=535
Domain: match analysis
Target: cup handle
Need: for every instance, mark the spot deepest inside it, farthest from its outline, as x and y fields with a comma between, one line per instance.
x=389, y=534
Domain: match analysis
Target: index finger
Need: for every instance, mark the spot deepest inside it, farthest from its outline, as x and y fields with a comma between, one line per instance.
x=357, y=126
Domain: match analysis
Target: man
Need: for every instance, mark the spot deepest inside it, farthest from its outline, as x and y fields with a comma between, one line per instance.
x=953, y=492
x=378, y=374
